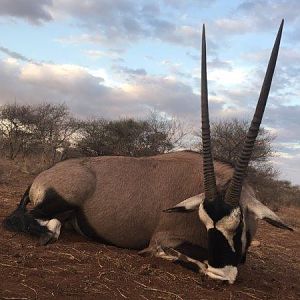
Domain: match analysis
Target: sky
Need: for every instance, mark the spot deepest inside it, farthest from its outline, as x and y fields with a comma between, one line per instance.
x=123, y=58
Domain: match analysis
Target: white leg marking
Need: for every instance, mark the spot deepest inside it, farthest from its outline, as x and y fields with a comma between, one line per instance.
x=53, y=226
x=162, y=254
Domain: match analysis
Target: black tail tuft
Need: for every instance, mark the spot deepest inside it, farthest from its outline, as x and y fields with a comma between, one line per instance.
x=20, y=220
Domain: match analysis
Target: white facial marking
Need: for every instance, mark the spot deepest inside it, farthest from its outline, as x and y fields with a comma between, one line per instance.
x=228, y=273
x=192, y=202
x=228, y=225
x=244, y=236
x=205, y=218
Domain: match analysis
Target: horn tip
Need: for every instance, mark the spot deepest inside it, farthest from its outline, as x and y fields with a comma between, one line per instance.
x=281, y=24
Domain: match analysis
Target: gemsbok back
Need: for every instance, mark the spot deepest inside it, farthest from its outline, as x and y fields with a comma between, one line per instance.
x=166, y=205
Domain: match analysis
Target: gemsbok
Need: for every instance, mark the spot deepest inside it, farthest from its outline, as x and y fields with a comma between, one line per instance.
x=166, y=205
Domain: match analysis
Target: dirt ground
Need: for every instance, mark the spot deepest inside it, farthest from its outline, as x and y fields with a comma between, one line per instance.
x=78, y=268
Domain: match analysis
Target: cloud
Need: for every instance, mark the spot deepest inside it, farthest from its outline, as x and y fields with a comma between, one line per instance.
x=261, y=16
x=164, y=94
x=97, y=54
x=286, y=121
x=118, y=22
x=33, y=11
x=121, y=22
x=288, y=165
x=179, y=4
x=16, y=55
x=286, y=82
x=232, y=26
x=88, y=95
x=30, y=83
x=176, y=69
x=130, y=71
x=266, y=12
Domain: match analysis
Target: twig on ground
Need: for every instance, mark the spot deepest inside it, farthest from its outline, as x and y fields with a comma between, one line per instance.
x=148, y=288
x=14, y=298
x=122, y=294
x=249, y=295
x=31, y=288
x=72, y=257
x=19, y=267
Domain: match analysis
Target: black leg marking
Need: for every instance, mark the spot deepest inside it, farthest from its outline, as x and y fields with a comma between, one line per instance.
x=192, y=251
x=277, y=224
x=87, y=229
x=46, y=238
x=25, y=199
x=188, y=265
x=183, y=259
x=52, y=205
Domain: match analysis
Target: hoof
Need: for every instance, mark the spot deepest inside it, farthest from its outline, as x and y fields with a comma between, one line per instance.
x=47, y=238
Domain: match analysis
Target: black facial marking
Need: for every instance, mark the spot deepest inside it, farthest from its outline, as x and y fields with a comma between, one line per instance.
x=179, y=209
x=217, y=209
x=220, y=253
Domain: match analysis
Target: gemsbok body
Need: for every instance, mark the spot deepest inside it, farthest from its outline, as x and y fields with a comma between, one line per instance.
x=166, y=206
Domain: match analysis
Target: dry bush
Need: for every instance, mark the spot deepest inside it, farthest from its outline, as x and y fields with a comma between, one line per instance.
x=34, y=135
x=227, y=139
x=130, y=137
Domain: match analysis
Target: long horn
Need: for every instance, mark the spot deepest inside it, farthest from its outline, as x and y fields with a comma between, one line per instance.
x=234, y=191
x=210, y=187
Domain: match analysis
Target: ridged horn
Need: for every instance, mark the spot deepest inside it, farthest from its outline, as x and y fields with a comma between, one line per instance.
x=210, y=187
x=234, y=191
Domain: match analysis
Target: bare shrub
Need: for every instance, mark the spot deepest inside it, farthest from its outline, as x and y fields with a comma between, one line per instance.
x=227, y=139
x=130, y=137
x=40, y=130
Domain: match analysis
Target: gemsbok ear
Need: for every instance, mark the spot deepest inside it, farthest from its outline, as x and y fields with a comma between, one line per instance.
x=188, y=205
x=262, y=212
